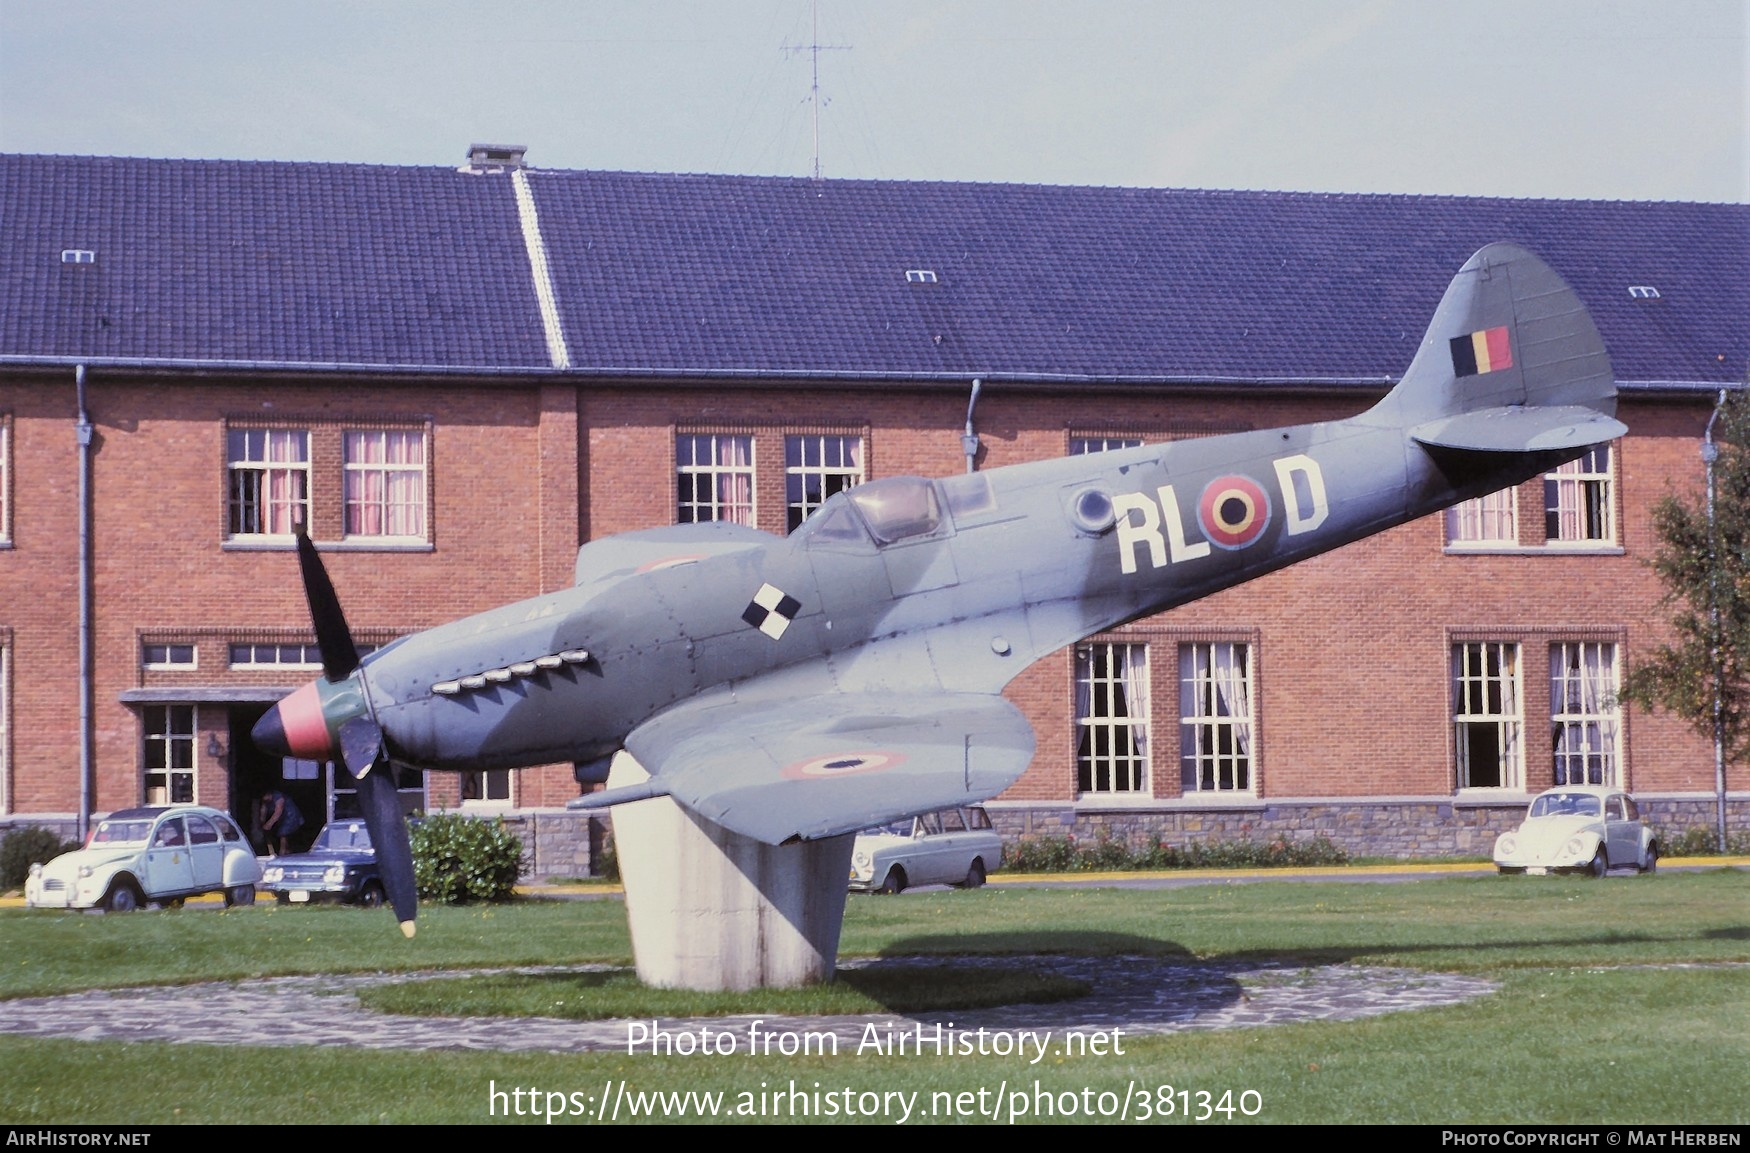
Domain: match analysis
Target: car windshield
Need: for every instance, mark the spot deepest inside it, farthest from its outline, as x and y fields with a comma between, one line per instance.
x=121, y=832
x=890, y=829
x=348, y=836
x=1566, y=805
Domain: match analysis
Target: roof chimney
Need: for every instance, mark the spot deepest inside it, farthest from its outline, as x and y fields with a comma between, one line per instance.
x=494, y=157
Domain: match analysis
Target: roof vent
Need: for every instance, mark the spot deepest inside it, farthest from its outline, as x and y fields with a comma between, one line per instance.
x=1642, y=292
x=78, y=256
x=919, y=276
x=495, y=157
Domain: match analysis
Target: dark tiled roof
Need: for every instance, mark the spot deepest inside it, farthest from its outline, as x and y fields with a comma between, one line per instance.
x=411, y=267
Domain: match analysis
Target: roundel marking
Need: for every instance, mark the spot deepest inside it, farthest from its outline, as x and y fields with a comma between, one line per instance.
x=843, y=764
x=1233, y=511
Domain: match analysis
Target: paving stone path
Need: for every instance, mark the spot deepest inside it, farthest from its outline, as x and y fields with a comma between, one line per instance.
x=1140, y=995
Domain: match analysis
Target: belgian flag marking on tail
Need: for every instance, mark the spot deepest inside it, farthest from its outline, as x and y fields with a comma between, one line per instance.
x=1485, y=351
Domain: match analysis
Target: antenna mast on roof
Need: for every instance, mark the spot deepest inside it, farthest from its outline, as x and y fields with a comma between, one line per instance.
x=814, y=49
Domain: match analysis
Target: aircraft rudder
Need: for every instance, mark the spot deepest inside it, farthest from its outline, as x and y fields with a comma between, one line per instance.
x=1509, y=332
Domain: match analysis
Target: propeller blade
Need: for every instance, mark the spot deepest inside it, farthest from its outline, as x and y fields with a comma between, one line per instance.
x=339, y=655
x=388, y=825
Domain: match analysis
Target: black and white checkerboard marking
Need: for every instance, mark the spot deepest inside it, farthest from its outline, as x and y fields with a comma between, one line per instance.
x=771, y=610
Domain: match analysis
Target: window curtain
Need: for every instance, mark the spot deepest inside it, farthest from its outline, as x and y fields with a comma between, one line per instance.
x=285, y=485
x=735, y=479
x=1132, y=677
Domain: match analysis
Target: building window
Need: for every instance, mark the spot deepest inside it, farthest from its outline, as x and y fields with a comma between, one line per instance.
x=1485, y=520
x=816, y=467
x=1082, y=445
x=1584, y=719
x=169, y=754
x=486, y=787
x=5, y=745
x=277, y=656
x=1112, y=716
x=1487, y=721
x=714, y=478
x=5, y=478
x=270, y=480
x=1215, y=717
x=1576, y=501
x=167, y=656
x=385, y=484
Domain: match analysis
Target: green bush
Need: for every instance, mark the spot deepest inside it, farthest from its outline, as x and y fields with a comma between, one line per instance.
x=461, y=859
x=25, y=847
x=1700, y=841
x=1108, y=854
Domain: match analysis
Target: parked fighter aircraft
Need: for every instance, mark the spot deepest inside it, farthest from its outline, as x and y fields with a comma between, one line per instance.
x=850, y=673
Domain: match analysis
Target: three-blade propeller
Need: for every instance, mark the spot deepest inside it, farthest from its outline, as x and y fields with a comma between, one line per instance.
x=361, y=742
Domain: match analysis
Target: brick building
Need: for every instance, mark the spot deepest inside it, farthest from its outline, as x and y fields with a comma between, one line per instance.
x=458, y=375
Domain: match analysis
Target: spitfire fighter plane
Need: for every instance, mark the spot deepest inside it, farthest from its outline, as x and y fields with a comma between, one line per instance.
x=802, y=687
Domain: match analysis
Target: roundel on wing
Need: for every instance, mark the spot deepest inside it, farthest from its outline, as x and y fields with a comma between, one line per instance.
x=1233, y=511
x=842, y=764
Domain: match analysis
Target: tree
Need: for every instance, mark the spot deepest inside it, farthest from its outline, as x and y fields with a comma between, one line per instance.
x=1703, y=674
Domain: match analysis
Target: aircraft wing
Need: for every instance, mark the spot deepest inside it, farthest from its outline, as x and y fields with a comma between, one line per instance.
x=832, y=763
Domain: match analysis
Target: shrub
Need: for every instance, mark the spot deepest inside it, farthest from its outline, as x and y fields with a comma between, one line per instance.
x=25, y=847
x=1067, y=855
x=459, y=859
x=1700, y=841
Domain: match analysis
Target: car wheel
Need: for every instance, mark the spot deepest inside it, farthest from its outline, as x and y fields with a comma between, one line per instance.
x=371, y=896
x=974, y=875
x=1600, y=864
x=239, y=895
x=123, y=896
x=895, y=881
x=1652, y=865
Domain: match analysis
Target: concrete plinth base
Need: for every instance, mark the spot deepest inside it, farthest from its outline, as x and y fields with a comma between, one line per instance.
x=710, y=909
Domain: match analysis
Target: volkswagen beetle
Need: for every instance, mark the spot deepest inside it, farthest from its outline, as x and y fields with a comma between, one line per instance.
x=1587, y=829
x=157, y=854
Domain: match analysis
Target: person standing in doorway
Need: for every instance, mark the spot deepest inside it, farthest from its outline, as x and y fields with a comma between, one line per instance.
x=280, y=818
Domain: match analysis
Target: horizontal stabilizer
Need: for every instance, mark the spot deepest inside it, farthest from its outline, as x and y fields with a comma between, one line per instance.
x=1552, y=428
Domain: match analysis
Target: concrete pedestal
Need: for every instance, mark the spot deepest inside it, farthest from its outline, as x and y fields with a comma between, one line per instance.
x=710, y=909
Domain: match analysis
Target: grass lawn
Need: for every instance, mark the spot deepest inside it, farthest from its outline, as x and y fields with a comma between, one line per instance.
x=1620, y=1001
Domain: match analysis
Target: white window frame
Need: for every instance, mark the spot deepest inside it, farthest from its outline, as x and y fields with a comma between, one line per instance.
x=1578, y=502
x=710, y=482
x=402, y=504
x=5, y=478
x=1083, y=445
x=1489, y=521
x=178, y=744
x=1217, y=729
x=168, y=661
x=308, y=655
x=488, y=783
x=5, y=725
x=261, y=458
x=1585, y=715
x=1112, y=726
x=816, y=467
x=1488, y=693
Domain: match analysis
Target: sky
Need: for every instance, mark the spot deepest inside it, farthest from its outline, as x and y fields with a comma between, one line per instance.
x=1587, y=99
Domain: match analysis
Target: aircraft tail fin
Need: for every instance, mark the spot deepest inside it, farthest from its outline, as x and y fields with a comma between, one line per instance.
x=1511, y=362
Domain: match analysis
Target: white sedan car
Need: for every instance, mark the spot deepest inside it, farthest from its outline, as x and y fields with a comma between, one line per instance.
x=156, y=854
x=949, y=847
x=1586, y=829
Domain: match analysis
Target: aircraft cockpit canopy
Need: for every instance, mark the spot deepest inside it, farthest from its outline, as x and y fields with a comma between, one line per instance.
x=898, y=507
x=888, y=510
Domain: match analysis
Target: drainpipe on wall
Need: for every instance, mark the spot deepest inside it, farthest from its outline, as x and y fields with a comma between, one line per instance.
x=83, y=431
x=1710, y=452
x=969, y=441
